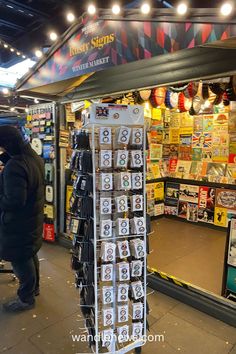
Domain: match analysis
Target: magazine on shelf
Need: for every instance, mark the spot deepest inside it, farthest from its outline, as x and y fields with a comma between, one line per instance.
x=192, y=212
x=226, y=198
x=171, y=210
x=172, y=193
x=182, y=209
x=220, y=217
x=206, y=215
x=159, y=209
x=188, y=193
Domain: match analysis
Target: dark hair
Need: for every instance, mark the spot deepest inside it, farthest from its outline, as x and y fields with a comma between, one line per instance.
x=11, y=140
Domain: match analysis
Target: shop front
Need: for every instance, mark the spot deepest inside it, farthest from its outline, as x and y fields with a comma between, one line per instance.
x=183, y=74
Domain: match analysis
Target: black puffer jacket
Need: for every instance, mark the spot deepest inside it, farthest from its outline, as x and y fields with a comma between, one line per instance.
x=21, y=204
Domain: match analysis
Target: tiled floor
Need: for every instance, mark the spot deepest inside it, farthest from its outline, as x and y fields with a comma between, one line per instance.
x=192, y=253
x=48, y=328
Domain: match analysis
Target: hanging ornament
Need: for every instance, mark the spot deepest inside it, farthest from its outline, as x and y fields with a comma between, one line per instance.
x=171, y=100
x=184, y=103
x=158, y=96
x=191, y=90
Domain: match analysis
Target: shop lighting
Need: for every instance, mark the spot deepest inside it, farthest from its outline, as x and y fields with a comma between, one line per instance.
x=5, y=91
x=12, y=109
x=182, y=9
x=36, y=100
x=91, y=9
x=226, y=9
x=23, y=56
x=26, y=110
x=53, y=36
x=70, y=17
x=12, y=50
x=145, y=8
x=38, y=53
x=18, y=53
x=5, y=45
x=116, y=9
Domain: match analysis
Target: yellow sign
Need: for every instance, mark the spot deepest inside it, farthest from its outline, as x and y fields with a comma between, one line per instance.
x=186, y=130
x=220, y=217
x=159, y=191
x=69, y=190
x=156, y=114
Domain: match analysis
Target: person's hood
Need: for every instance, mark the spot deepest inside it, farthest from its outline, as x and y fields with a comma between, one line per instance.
x=12, y=140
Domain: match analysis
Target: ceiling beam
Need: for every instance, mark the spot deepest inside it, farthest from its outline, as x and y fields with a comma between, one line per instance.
x=27, y=8
x=12, y=25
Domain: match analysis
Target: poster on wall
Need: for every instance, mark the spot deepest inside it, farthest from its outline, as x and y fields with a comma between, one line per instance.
x=226, y=198
x=206, y=215
x=192, y=212
x=172, y=193
x=155, y=151
x=159, y=191
x=198, y=124
x=220, y=217
x=186, y=120
x=166, y=137
x=220, y=119
x=207, y=123
x=232, y=122
x=185, y=153
x=206, y=204
x=189, y=193
x=186, y=139
x=175, y=120
x=174, y=136
x=206, y=155
x=196, y=154
x=219, y=138
x=202, y=140
x=171, y=210
x=183, y=169
x=216, y=169
x=220, y=154
x=172, y=165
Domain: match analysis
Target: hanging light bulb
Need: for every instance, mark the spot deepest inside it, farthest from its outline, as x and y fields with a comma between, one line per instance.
x=116, y=9
x=91, y=9
x=36, y=100
x=226, y=9
x=12, y=50
x=5, y=45
x=70, y=17
x=53, y=36
x=145, y=8
x=182, y=9
x=38, y=53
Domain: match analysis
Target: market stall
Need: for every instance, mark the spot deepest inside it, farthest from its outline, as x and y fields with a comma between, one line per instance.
x=183, y=75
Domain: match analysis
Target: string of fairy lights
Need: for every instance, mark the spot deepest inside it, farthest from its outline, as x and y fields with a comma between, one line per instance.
x=226, y=10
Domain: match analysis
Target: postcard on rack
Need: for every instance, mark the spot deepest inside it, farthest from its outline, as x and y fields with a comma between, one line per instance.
x=219, y=138
x=159, y=191
x=226, y=198
x=166, y=136
x=171, y=210
x=159, y=209
x=173, y=165
x=189, y=193
x=206, y=155
x=220, y=217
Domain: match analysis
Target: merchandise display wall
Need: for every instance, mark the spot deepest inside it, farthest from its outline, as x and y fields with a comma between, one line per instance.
x=40, y=127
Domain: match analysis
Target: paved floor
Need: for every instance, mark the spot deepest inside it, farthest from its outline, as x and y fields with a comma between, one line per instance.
x=193, y=253
x=48, y=328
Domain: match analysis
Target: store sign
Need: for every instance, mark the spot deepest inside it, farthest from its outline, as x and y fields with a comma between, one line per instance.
x=100, y=44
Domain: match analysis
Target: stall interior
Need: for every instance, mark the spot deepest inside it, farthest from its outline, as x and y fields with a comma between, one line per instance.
x=191, y=174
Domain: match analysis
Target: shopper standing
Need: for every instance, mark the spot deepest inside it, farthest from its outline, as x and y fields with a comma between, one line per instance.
x=21, y=208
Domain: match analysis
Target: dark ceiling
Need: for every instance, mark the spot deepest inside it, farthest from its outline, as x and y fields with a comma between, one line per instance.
x=25, y=24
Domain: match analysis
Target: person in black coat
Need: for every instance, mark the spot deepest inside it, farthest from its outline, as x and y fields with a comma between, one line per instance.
x=21, y=214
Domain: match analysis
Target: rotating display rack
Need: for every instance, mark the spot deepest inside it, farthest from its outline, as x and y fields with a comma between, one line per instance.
x=108, y=205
